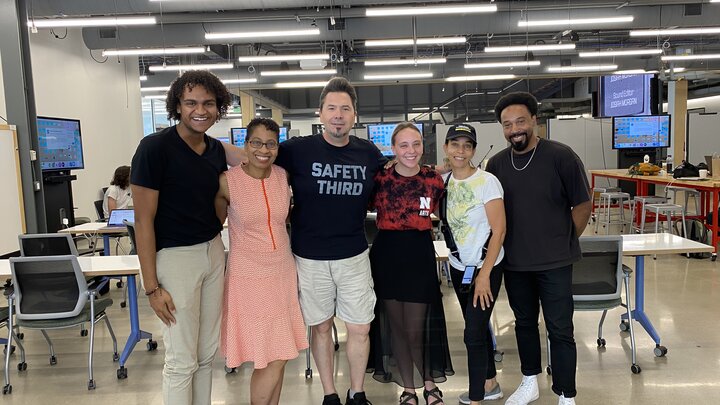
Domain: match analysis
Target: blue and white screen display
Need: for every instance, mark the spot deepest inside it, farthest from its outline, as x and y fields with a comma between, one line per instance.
x=625, y=95
x=381, y=136
x=650, y=131
x=238, y=135
x=59, y=144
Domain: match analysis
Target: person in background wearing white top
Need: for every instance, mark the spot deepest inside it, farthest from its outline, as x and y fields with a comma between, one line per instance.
x=118, y=196
x=476, y=215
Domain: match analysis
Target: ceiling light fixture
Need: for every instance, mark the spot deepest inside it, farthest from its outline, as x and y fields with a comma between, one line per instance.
x=419, y=41
x=394, y=62
x=401, y=11
x=530, y=48
x=581, y=68
x=393, y=76
x=479, y=78
x=315, y=72
x=200, y=66
x=628, y=52
x=290, y=85
x=154, y=51
x=634, y=72
x=489, y=65
x=576, y=21
x=143, y=78
x=90, y=22
x=240, y=81
x=262, y=34
x=676, y=31
x=284, y=58
x=156, y=97
x=166, y=88
x=691, y=57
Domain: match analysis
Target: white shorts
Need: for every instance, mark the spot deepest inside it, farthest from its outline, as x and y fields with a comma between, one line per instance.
x=342, y=288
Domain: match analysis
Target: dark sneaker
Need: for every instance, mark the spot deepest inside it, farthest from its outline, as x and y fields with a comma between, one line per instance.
x=332, y=399
x=358, y=399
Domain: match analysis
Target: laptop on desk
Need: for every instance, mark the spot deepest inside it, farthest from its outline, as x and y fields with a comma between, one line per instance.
x=117, y=217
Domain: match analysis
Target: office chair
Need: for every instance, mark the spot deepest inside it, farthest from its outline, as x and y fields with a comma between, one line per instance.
x=133, y=251
x=47, y=244
x=50, y=292
x=99, y=209
x=598, y=280
x=10, y=349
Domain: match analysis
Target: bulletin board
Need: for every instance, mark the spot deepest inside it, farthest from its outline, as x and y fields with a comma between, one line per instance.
x=12, y=212
x=703, y=136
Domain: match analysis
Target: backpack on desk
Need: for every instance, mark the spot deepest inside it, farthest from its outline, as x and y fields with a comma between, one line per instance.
x=696, y=231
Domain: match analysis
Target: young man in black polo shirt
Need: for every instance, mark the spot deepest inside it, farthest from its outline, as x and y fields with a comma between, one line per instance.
x=174, y=181
x=547, y=205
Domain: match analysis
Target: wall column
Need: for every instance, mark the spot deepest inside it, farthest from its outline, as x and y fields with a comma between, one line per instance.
x=277, y=116
x=247, y=107
x=677, y=106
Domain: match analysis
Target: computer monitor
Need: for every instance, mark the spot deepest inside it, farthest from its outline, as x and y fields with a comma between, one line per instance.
x=381, y=134
x=59, y=144
x=638, y=132
x=238, y=135
x=225, y=139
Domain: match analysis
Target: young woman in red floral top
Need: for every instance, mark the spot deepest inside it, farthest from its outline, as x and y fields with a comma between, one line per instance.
x=410, y=319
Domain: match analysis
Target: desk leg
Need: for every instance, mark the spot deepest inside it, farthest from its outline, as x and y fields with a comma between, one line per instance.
x=715, y=226
x=106, y=244
x=136, y=334
x=639, y=312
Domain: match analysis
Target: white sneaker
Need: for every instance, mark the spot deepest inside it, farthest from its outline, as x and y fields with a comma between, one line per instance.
x=566, y=401
x=527, y=392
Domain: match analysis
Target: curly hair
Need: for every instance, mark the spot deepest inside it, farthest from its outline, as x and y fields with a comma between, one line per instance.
x=121, y=178
x=191, y=79
x=518, y=97
x=269, y=124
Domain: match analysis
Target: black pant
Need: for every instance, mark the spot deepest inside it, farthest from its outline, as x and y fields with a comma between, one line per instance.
x=478, y=340
x=553, y=289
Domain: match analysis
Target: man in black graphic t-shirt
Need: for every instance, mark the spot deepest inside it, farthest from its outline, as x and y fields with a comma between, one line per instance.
x=331, y=175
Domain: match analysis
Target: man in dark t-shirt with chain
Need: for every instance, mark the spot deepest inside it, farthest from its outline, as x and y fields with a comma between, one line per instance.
x=331, y=175
x=547, y=204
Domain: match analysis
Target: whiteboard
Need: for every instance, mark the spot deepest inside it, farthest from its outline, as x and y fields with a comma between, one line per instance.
x=12, y=213
x=488, y=133
x=590, y=138
x=703, y=136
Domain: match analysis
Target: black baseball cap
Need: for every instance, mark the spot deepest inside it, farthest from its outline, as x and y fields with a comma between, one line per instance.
x=461, y=130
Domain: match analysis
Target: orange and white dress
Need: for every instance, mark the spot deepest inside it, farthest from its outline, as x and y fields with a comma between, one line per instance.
x=261, y=321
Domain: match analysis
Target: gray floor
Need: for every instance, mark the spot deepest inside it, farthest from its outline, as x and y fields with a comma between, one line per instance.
x=682, y=299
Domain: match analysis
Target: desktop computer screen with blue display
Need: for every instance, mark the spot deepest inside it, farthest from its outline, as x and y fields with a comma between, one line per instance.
x=381, y=134
x=646, y=131
x=59, y=144
x=238, y=135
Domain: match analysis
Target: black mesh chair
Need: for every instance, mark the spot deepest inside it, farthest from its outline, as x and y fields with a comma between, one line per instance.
x=598, y=280
x=99, y=209
x=50, y=292
x=47, y=244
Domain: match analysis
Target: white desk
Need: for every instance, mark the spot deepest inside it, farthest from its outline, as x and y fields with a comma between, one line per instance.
x=95, y=229
x=638, y=246
x=111, y=266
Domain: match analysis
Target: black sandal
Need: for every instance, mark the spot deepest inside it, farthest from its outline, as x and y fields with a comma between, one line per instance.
x=406, y=397
x=435, y=393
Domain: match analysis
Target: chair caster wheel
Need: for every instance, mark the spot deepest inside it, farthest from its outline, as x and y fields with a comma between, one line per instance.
x=635, y=369
x=660, y=351
x=548, y=370
x=119, y=284
x=229, y=370
x=7, y=389
x=308, y=374
x=337, y=346
x=624, y=326
x=12, y=349
x=83, y=332
x=20, y=336
x=123, y=304
x=91, y=385
x=22, y=366
x=601, y=342
x=714, y=258
x=116, y=357
x=498, y=356
x=151, y=345
x=53, y=360
x=122, y=373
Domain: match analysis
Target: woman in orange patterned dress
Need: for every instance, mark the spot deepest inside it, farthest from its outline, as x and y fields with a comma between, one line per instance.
x=262, y=322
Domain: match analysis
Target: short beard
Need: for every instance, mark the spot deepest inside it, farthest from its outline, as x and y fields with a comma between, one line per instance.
x=337, y=135
x=520, y=146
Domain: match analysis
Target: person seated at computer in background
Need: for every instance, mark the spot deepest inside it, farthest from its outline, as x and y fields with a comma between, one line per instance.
x=261, y=321
x=409, y=306
x=118, y=196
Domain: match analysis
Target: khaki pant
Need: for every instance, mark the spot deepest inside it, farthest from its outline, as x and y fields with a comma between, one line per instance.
x=194, y=276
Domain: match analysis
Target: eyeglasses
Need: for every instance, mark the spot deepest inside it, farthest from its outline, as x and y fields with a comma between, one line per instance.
x=256, y=144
